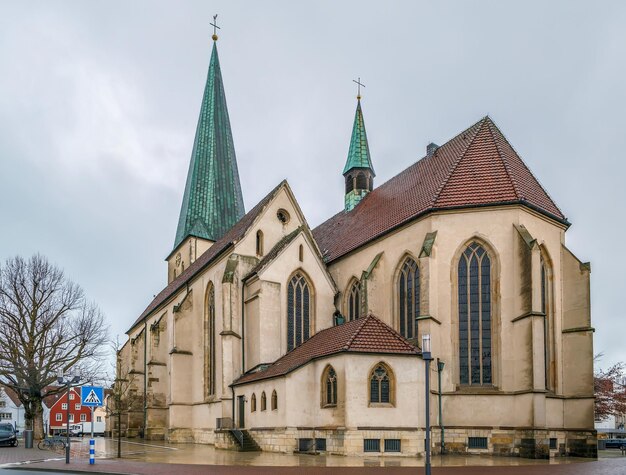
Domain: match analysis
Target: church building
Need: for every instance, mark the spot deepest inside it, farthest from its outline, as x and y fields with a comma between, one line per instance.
x=273, y=335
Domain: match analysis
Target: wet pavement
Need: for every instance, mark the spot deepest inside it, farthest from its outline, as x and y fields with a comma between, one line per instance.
x=156, y=458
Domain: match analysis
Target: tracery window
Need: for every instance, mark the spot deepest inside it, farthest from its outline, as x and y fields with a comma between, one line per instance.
x=329, y=387
x=381, y=385
x=298, y=311
x=209, y=349
x=253, y=403
x=263, y=401
x=474, y=287
x=408, y=298
x=354, y=300
x=548, y=335
x=274, y=400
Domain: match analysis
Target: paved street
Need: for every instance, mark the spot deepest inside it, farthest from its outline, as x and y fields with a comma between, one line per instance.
x=156, y=458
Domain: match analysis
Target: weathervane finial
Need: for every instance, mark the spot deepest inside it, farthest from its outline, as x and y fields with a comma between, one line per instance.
x=215, y=27
x=359, y=84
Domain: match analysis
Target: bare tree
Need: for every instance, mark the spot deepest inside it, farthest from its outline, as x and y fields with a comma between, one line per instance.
x=46, y=326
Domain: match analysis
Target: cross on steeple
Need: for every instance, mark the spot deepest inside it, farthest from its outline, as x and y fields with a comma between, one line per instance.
x=359, y=84
x=215, y=27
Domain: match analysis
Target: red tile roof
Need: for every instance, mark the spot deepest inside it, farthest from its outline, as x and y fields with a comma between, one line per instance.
x=476, y=168
x=233, y=235
x=12, y=395
x=364, y=335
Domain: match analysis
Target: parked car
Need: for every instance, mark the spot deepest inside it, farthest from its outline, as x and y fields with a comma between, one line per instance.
x=7, y=434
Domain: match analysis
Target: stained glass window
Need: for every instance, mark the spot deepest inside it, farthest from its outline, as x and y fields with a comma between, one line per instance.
x=380, y=385
x=354, y=300
x=409, y=298
x=298, y=311
x=474, y=287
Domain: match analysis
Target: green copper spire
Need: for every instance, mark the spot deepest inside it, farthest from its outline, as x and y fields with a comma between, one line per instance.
x=212, y=202
x=359, y=153
x=358, y=172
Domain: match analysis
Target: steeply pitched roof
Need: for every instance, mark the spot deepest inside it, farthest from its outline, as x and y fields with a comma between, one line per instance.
x=476, y=168
x=12, y=395
x=359, y=152
x=364, y=335
x=213, y=201
x=232, y=236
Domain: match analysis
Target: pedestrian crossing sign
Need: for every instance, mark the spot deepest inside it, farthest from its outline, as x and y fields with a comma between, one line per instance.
x=92, y=396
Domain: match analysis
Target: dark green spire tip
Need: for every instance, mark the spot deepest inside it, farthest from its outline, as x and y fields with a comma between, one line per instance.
x=359, y=153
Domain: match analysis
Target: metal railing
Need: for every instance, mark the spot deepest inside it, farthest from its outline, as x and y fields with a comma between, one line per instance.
x=238, y=435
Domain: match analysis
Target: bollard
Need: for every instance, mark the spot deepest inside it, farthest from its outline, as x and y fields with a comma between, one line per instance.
x=92, y=451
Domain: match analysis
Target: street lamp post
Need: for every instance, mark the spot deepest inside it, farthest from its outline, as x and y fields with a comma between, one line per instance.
x=440, y=365
x=67, y=380
x=426, y=356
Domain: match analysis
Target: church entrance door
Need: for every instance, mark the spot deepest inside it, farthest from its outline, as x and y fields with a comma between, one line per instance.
x=241, y=402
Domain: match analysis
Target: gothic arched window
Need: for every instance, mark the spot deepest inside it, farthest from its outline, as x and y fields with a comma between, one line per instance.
x=329, y=387
x=349, y=184
x=274, y=400
x=263, y=401
x=474, y=282
x=259, y=243
x=408, y=298
x=548, y=334
x=354, y=300
x=381, y=385
x=298, y=311
x=253, y=403
x=209, y=347
x=361, y=181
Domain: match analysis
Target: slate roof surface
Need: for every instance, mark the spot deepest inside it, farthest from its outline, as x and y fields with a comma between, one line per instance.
x=364, y=335
x=476, y=168
x=233, y=235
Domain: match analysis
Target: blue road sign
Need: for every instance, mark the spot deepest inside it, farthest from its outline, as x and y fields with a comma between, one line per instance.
x=91, y=396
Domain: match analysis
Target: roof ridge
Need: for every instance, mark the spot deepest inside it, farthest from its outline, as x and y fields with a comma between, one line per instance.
x=543, y=188
x=459, y=159
x=513, y=181
x=393, y=331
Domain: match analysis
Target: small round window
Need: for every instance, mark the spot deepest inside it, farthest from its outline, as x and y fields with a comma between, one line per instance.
x=283, y=216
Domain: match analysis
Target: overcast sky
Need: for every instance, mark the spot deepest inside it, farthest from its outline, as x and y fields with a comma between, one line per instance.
x=99, y=102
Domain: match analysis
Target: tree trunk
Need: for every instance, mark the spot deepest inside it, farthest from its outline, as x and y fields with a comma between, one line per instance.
x=38, y=429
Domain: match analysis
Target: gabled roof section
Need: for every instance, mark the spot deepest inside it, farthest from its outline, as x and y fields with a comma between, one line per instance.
x=213, y=201
x=12, y=395
x=476, y=168
x=364, y=335
x=235, y=234
x=274, y=252
x=359, y=152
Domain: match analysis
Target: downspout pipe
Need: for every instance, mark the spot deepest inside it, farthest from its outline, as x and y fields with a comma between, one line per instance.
x=145, y=377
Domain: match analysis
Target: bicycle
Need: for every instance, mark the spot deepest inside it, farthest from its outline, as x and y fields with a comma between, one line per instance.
x=51, y=443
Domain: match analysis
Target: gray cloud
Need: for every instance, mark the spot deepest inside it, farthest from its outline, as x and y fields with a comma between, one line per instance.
x=98, y=105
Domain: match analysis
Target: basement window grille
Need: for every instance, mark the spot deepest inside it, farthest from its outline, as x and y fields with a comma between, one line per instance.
x=371, y=445
x=320, y=445
x=477, y=442
x=553, y=442
x=305, y=445
x=392, y=445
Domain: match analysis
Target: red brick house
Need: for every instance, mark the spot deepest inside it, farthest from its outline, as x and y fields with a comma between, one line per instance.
x=77, y=412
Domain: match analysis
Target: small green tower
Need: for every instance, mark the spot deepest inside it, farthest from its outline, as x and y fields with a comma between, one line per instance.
x=358, y=172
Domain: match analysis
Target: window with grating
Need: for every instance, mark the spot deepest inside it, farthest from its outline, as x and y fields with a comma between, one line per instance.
x=320, y=445
x=392, y=445
x=553, y=443
x=408, y=298
x=477, y=442
x=305, y=445
x=298, y=311
x=474, y=291
x=371, y=445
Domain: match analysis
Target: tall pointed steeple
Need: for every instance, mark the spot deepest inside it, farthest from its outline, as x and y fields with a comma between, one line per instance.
x=213, y=201
x=358, y=172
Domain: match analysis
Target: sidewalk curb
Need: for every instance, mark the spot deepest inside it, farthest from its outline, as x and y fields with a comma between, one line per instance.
x=73, y=470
